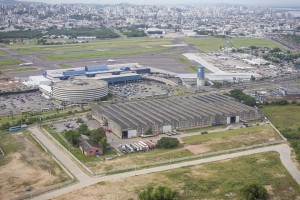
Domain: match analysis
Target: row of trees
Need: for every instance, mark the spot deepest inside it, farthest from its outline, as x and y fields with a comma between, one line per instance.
x=133, y=32
x=242, y=97
x=73, y=33
x=252, y=191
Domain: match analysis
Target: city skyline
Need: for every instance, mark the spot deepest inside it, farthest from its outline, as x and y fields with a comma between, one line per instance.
x=170, y=2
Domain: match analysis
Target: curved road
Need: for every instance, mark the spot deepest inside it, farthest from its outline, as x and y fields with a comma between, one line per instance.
x=85, y=180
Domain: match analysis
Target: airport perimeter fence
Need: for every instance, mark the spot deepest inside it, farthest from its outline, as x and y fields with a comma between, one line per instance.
x=68, y=152
x=32, y=193
x=188, y=158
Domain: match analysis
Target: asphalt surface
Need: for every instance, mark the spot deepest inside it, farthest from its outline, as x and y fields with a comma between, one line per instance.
x=85, y=180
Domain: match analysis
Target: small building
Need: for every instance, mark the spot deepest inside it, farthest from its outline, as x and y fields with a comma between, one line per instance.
x=90, y=148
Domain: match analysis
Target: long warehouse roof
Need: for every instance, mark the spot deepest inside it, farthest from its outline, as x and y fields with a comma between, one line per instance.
x=163, y=111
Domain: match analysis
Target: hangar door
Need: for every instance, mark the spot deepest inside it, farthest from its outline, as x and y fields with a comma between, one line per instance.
x=167, y=128
x=132, y=133
x=231, y=120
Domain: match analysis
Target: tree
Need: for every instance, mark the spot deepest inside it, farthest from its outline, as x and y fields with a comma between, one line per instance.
x=97, y=135
x=83, y=129
x=167, y=143
x=254, y=191
x=160, y=193
x=149, y=131
x=103, y=143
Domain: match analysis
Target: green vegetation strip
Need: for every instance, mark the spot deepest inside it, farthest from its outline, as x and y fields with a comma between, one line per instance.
x=258, y=42
x=184, y=60
x=99, y=54
x=206, y=44
x=93, y=45
x=18, y=69
x=286, y=119
x=9, y=61
x=233, y=138
x=63, y=65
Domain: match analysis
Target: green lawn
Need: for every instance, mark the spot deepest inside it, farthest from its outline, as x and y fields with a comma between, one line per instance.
x=99, y=54
x=64, y=65
x=207, y=181
x=9, y=61
x=258, y=42
x=233, y=138
x=206, y=44
x=2, y=53
x=18, y=69
x=93, y=45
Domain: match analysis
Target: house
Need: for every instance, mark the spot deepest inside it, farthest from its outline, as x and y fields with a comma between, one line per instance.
x=90, y=148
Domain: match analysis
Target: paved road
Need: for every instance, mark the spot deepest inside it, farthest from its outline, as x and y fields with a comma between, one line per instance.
x=59, y=154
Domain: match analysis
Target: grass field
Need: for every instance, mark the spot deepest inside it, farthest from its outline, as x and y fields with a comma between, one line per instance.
x=194, y=130
x=99, y=54
x=147, y=158
x=2, y=53
x=93, y=45
x=206, y=44
x=258, y=42
x=283, y=116
x=64, y=65
x=286, y=119
x=18, y=69
x=233, y=138
x=9, y=61
x=207, y=181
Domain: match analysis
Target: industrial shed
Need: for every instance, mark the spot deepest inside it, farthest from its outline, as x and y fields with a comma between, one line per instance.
x=133, y=119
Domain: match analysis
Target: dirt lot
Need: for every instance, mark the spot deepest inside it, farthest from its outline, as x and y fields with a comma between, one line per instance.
x=25, y=167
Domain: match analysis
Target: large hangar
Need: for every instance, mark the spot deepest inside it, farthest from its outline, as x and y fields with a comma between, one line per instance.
x=79, y=91
x=133, y=119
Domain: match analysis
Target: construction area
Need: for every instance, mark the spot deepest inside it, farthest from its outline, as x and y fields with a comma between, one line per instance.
x=151, y=117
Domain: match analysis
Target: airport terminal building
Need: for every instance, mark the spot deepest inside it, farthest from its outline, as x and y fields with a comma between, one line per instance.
x=132, y=119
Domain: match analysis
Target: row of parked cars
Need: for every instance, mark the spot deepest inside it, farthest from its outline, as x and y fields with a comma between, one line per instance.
x=171, y=133
x=138, y=146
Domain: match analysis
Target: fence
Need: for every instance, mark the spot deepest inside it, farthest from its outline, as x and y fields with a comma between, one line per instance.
x=30, y=194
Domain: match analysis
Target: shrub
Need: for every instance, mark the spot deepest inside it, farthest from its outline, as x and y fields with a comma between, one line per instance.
x=168, y=143
x=160, y=193
x=254, y=191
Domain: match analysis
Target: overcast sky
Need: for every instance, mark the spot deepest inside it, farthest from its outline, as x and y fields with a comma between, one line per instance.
x=153, y=2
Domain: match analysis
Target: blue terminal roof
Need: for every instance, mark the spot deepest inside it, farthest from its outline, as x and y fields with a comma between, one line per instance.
x=119, y=79
x=103, y=72
x=74, y=73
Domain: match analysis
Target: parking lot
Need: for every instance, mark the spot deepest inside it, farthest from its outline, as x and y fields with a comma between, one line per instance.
x=138, y=90
x=27, y=102
x=73, y=123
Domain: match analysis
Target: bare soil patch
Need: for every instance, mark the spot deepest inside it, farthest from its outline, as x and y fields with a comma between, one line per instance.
x=28, y=168
x=197, y=149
